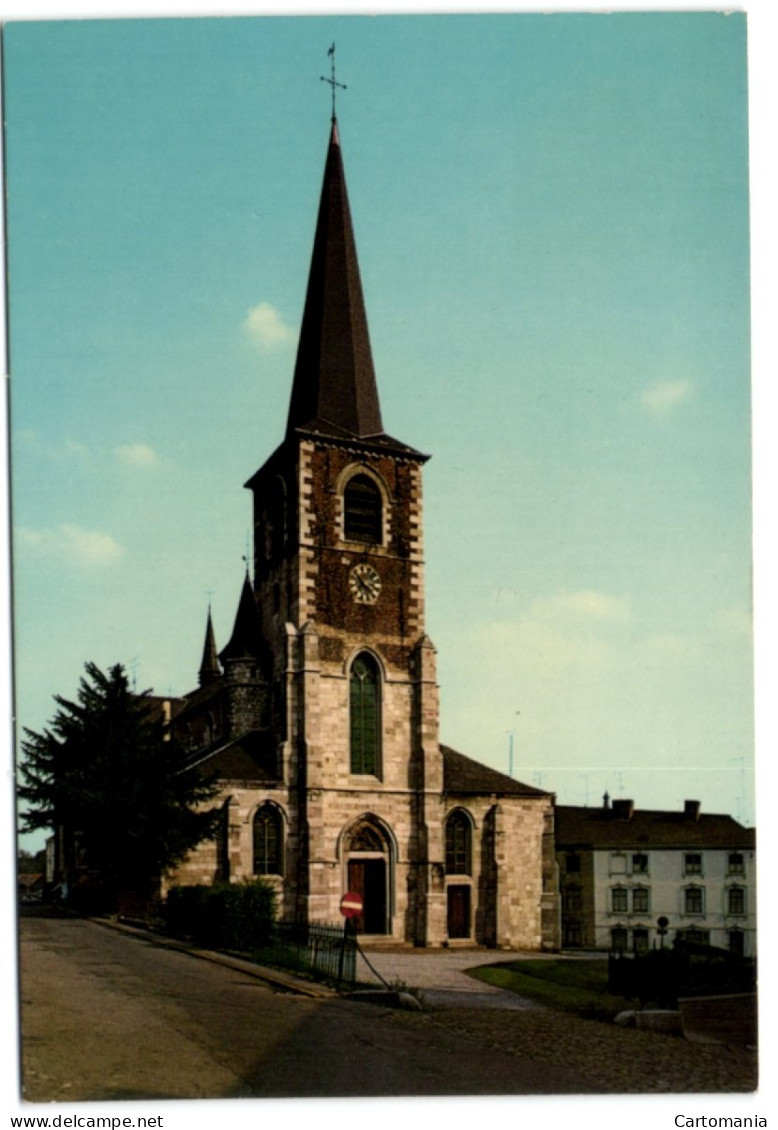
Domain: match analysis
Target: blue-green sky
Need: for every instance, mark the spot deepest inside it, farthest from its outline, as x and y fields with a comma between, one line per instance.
x=552, y=223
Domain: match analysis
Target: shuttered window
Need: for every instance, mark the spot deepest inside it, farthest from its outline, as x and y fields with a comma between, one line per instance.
x=362, y=517
x=365, y=711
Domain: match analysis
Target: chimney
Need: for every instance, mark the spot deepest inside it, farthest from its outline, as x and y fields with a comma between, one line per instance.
x=623, y=809
x=606, y=800
x=691, y=809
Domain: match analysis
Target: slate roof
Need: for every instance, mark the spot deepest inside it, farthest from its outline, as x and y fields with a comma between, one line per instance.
x=246, y=640
x=334, y=392
x=251, y=758
x=334, y=382
x=606, y=828
x=209, y=666
x=196, y=699
x=462, y=775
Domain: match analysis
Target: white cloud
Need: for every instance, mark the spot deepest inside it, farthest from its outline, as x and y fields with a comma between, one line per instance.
x=136, y=455
x=664, y=396
x=585, y=605
x=63, y=450
x=71, y=543
x=266, y=327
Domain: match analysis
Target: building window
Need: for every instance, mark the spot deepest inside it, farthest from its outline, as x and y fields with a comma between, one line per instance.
x=639, y=864
x=694, y=900
x=573, y=863
x=458, y=844
x=692, y=863
x=737, y=943
x=619, y=900
x=694, y=936
x=267, y=841
x=365, y=715
x=640, y=900
x=618, y=863
x=736, y=863
x=572, y=934
x=572, y=900
x=640, y=939
x=619, y=939
x=736, y=900
x=362, y=511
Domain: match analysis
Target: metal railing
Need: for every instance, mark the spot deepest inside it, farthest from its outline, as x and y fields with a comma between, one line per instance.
x=322, y=950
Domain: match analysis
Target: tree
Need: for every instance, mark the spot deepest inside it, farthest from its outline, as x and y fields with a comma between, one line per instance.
x=109, y=776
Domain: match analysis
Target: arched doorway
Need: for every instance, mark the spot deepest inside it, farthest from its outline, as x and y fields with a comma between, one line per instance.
x=369, y=873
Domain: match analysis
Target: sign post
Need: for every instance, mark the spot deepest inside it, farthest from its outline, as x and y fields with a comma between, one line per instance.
x=351, y=906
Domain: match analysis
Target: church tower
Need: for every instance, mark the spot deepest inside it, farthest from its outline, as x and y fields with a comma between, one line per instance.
x=338, y=576
x=319, y=717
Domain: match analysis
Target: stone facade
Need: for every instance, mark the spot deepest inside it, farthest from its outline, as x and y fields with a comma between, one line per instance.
x=323, y=726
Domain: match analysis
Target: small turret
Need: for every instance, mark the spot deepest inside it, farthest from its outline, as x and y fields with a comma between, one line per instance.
x=247, y=667
x=209, y=668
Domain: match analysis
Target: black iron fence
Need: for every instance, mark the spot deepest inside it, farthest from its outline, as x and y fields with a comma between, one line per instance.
x=324, y=951
x=661, y=976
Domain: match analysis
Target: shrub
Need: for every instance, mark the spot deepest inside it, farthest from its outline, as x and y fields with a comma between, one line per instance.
x=235, y=916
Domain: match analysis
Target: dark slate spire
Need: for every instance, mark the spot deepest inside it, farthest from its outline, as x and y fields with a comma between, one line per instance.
x=246, y=639
x=209, y=668
x=334, y=389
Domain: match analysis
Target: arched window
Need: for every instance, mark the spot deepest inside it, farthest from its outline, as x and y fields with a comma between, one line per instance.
x=365, y=715
x=362, y=511
x=268, y=841
x=458, y=844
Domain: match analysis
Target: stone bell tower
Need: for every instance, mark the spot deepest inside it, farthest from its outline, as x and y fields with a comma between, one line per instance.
x=339, y=586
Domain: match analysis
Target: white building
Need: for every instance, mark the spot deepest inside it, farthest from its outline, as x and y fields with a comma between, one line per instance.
x=621, y=869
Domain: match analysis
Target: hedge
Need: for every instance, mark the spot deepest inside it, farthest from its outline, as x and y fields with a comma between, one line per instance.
x=235, y=916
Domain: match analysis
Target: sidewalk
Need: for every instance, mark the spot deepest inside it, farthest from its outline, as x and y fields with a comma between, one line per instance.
x=440, y=977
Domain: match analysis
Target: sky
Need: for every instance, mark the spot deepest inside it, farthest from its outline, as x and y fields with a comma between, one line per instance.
x=551, y=214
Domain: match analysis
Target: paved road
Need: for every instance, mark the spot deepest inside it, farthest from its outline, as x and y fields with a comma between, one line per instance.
x=110, y=1016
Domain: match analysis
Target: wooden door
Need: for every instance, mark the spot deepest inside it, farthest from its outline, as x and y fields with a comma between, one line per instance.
x=459, y=912
x=367, y=877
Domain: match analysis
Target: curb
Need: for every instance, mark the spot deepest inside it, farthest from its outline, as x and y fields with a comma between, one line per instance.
x=274, y=977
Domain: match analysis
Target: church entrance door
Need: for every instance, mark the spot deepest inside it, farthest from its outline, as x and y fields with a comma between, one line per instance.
x=367, y=877
x=459, y=912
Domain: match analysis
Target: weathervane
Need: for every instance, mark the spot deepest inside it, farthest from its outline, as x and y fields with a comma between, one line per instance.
x=331, y=80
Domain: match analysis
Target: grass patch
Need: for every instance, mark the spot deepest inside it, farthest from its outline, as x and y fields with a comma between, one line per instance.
x=580, y=987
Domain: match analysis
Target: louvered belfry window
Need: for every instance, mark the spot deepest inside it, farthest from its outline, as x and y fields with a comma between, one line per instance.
x=362, y=517
x=365, y=715
x=267, y=841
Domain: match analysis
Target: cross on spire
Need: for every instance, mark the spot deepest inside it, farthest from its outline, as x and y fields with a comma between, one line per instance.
x=333, y=84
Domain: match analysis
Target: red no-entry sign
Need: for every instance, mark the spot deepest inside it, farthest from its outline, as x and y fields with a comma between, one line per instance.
x=351, y=905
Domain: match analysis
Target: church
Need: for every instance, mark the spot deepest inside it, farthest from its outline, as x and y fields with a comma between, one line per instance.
x=319, y=717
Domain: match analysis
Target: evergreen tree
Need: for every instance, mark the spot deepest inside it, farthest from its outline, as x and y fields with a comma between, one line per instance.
x=111, y=776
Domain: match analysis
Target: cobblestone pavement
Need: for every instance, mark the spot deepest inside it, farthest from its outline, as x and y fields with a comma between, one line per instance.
x=440, y=977
x=614, y=1060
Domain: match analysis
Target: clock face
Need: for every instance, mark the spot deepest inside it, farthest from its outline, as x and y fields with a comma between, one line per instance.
x=365, y=584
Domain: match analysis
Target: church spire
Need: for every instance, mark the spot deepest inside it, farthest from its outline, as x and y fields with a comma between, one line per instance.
x=334, y=390
x=246, y=639
x=209, y=668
